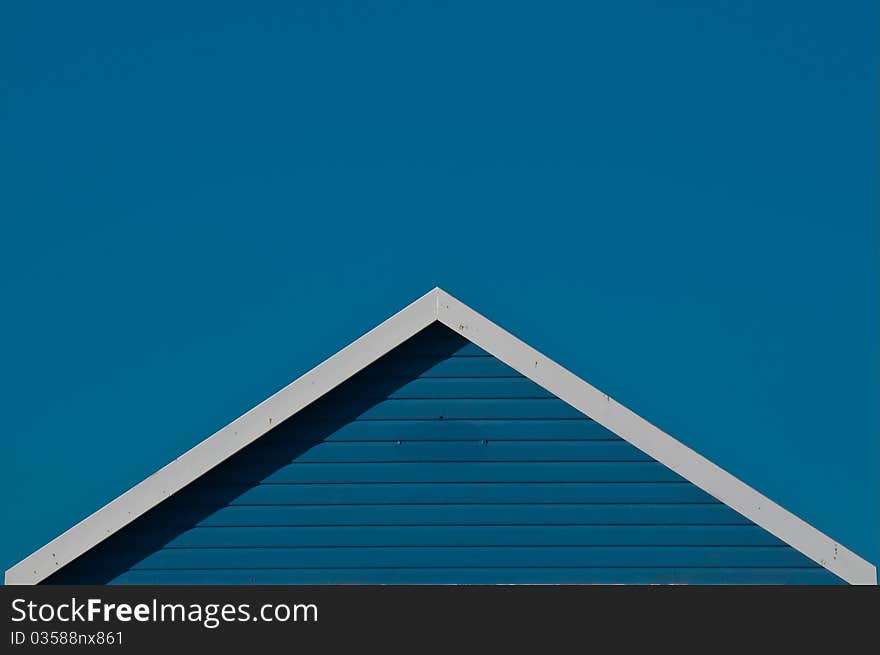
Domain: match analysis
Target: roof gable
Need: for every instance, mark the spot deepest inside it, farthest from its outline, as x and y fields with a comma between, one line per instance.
x=441, y=307
x=440, y=464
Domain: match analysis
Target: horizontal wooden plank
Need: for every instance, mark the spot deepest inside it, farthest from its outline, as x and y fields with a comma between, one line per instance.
x=475, y=535
x=466, y=556
x=441, y=347
x=455, y=451
x=474, y=429
x=448, y=514
x=518, y=387
x=560, y=575
x=461, y=472
x=396, y=366
x=446, y=409
x=332, y=494
x=468, y=349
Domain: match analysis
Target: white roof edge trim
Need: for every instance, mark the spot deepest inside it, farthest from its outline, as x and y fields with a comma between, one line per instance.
x=225, y=442
x=654, y=442
x=437, y=305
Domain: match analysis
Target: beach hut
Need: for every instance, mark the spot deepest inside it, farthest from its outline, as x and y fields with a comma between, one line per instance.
x=440, y=449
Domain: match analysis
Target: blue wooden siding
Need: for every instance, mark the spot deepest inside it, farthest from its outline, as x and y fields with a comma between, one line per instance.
x=439, y=464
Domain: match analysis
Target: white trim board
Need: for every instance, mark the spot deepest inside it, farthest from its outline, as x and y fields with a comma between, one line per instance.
x=437, y=305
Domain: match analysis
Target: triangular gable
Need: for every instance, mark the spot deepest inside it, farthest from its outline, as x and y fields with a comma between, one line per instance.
x=438, y=306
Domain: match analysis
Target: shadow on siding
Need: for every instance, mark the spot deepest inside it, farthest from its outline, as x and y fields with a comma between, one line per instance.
x=229, y=480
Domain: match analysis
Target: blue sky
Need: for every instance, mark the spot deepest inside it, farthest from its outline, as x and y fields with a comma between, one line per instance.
x=199, y=203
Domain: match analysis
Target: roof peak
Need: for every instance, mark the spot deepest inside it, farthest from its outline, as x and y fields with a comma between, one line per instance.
x=439, y=306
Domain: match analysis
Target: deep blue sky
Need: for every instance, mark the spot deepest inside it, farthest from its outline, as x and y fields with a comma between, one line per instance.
x=201, y=202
